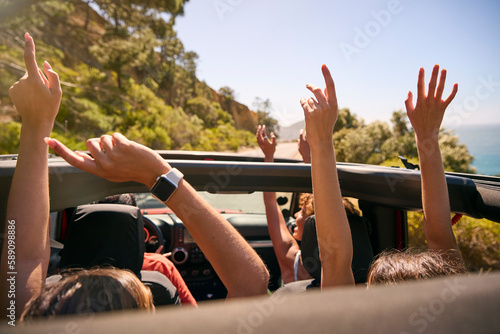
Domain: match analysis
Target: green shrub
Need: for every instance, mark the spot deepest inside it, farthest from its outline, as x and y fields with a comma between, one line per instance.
x=478, y=240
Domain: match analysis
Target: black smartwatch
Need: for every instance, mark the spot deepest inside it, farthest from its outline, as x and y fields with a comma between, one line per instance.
x=166, y=184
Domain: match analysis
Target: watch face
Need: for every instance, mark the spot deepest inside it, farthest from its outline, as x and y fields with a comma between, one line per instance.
x=163, y=189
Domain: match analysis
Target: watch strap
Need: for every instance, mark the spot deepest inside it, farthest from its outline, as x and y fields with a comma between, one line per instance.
x=174, y=175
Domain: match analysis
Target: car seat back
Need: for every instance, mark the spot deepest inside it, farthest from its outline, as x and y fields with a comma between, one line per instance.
x=112, y=235
x=362, y=249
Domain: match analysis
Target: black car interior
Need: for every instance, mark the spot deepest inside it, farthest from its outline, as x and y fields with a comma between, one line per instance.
x=112, y=235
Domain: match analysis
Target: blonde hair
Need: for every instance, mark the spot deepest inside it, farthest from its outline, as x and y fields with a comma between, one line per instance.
x=307, y=199
x=90, y=291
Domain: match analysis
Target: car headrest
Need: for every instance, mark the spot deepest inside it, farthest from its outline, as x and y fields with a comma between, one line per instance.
x=362, y=249
x=102, y=235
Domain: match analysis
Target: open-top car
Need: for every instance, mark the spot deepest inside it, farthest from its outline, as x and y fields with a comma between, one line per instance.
x=233, y=185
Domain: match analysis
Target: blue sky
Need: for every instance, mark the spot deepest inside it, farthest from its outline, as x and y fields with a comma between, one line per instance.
x=374, y=48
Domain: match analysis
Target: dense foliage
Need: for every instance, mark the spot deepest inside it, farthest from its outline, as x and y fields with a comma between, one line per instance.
x=123, y=69
x=378, y=143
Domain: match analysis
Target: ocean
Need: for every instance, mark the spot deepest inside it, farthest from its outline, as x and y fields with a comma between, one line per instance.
x=483, y=142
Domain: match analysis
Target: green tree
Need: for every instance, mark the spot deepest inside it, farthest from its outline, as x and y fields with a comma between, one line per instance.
x=456, y=157
x=399, y=122
x=264, y=108
x=227, y=92
x=346, y=120
x=363, y=144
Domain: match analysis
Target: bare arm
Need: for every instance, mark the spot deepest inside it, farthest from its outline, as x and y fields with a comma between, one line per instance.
x=118, y=159
x=37, y=100
x=285, y=246
x=334, y=236
x=426, y=118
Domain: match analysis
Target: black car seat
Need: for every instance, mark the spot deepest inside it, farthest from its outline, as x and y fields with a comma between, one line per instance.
x=361, y=259
x=362, y=249
x=112, y=235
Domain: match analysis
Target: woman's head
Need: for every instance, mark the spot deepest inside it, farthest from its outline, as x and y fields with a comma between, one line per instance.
x=396, y=266
x=90, y=291
x=306, y=203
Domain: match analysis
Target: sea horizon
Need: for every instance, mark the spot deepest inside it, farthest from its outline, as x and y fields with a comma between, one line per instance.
x=483, y=142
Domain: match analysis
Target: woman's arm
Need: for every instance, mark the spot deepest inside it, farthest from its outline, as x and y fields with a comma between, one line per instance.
x=426, y=118
x=118, y=159
x=285, y=246
x=37, y=100
x=334, y=236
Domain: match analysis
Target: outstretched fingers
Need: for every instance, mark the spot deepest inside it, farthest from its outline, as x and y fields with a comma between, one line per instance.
x=305, y=106
x=273, y=138
x=330, y=93
x=409, y=104
x=433, y=81
x=440, y=87
x=77, y=159
x=421, y=86
x=452, y=95
x=53, y=79
x=29, y=55
x=320, y=97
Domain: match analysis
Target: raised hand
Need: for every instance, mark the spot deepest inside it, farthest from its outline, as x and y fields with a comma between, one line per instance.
x=303, y=147
x=427, y=115
x=37, y=100
x=115, y=158
x=426, y=118
x=320, y=114
x=334, y=236
x=267, y=146
x=36, y=96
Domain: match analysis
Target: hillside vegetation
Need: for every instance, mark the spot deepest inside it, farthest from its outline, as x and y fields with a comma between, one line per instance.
x=122, y=69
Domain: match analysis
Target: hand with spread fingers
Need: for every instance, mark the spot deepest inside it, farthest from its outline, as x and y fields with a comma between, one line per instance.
x=115, y=158
x=426, y=118
x=267, y=146
x=320, y=114
x=334, y=235
x=427, y=115
x=303, y=147
x=36, y=96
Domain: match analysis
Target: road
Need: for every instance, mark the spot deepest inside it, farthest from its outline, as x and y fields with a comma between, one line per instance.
x=286, y=150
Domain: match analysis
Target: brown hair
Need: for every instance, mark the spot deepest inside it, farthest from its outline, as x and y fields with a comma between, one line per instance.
x=89, y=291
x=350, y=209
x=307, y=199
x=392, y=267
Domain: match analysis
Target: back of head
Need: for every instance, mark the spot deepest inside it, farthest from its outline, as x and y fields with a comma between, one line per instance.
x=90, y=291
x=395, y=267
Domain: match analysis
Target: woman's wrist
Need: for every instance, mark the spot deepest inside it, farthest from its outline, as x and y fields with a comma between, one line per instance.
x=155, y=173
